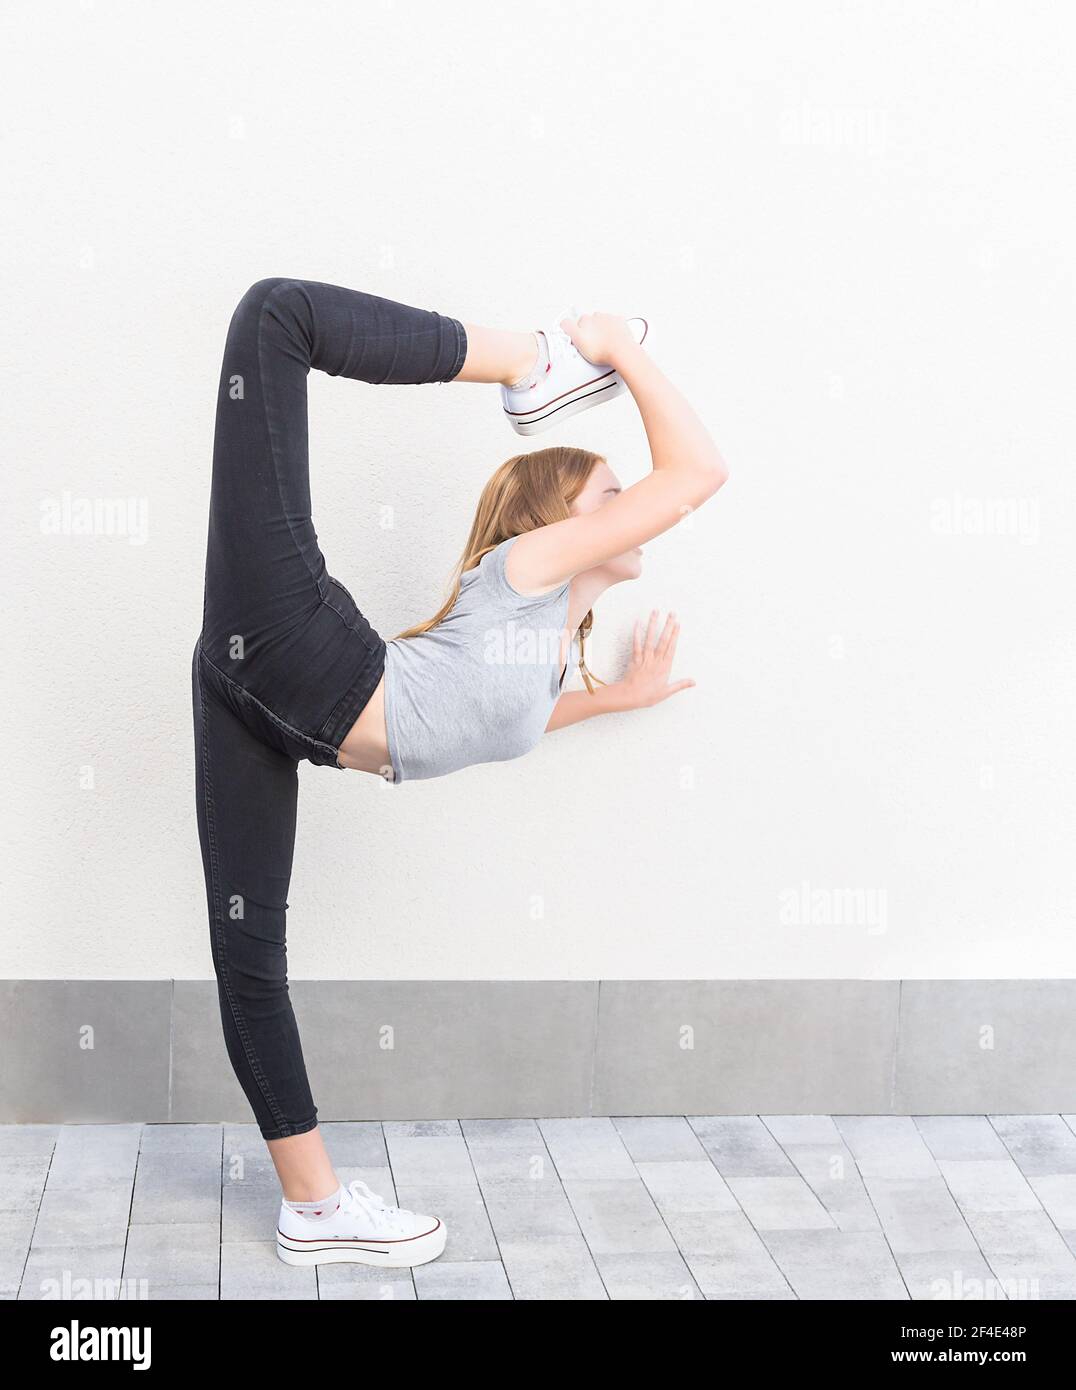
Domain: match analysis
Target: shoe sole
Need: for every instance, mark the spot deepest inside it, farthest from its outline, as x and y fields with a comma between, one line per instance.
x=390, y=1254
x=591, y=393
x=582, y=398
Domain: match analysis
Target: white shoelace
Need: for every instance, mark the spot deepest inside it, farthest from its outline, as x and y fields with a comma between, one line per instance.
x=375, y=1207
x=560, y=344
x=561, y=347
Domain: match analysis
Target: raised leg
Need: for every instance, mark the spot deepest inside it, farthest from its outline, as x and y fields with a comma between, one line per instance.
x=264, y=567
x=495, y=354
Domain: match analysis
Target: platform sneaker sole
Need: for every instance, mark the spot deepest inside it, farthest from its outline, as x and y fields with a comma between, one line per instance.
x=590, y=394
x=389, y=1254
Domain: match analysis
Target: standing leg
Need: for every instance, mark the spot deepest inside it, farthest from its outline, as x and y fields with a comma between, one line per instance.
x=247, y=794
x=246, y=802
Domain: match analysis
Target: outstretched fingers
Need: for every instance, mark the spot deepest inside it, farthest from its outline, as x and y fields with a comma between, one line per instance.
x=666, y=647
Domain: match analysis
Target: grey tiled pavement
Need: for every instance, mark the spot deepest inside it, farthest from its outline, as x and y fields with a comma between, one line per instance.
x=671, y=1207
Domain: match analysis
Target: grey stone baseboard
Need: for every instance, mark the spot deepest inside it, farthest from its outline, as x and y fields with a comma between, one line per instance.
x=152, y=1050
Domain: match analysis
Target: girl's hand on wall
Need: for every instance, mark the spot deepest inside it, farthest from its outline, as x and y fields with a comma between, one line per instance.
x=647, y=679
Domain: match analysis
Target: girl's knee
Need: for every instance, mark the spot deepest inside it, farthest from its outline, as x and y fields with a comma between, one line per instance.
x=288, y=301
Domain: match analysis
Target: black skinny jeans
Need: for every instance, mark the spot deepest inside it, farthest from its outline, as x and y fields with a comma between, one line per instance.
x=285, y=662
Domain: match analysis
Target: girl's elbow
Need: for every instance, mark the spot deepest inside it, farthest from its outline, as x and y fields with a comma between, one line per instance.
x=712, y=480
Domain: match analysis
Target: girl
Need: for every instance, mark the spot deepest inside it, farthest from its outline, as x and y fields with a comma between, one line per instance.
x=287, y=668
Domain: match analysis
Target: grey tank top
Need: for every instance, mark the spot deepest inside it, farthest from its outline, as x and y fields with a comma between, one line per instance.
x=481, y=685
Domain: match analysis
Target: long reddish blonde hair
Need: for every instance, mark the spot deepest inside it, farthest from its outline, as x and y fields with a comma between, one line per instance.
x=526, y=492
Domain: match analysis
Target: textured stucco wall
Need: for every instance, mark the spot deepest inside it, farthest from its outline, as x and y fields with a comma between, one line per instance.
x=851, y=229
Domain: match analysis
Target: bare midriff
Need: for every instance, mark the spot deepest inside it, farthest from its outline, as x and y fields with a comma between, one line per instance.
x=365, y=747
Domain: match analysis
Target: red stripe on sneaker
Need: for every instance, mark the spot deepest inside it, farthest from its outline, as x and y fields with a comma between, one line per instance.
x=574, y=391
x=347, y=1241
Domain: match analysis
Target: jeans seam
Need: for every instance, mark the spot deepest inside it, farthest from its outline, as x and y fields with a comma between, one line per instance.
x=332, y=579
x=268, y=422
x=349, y=623
x=286, y=1131
x=281, y=723
x=218, y=922
x=461, y=350
x=345, y=699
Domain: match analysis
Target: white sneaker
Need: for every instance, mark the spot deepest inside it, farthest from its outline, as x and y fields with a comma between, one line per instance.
x=562, y=381
x=362, y=1230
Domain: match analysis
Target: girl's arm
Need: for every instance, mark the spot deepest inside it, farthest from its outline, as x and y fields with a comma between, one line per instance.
x=645, y=683
x=577, y=705
x=687, y=469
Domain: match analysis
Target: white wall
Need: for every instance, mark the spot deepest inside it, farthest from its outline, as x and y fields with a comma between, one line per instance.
x=851, y=228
